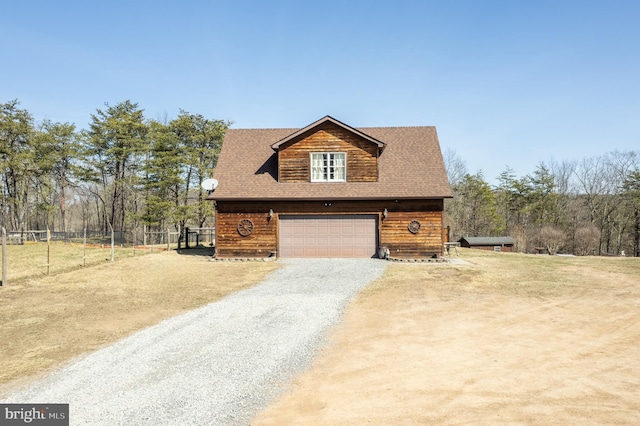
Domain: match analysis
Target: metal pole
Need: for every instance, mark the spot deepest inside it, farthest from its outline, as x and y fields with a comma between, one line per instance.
x=4, y=257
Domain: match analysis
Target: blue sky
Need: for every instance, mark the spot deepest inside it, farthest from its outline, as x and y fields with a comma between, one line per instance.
x=506, y=83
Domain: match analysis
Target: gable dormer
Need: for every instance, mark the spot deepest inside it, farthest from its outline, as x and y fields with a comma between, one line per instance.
x=328, y=151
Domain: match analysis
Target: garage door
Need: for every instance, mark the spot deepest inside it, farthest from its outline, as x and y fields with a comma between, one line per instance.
x=328, y=236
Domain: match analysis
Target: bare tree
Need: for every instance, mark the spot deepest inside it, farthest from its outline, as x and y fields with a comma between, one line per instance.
x=455, y=166
x=552, y=238
x=595, y=185
x=586, y=240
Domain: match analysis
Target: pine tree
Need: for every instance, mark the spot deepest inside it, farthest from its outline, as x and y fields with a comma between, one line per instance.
x=116, y=143
x=201, y=140
x=17, y=167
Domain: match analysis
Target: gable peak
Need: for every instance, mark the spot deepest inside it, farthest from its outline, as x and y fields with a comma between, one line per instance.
x=327, y=119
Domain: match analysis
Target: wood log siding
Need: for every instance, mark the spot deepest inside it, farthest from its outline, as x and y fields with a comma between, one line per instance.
x=395, y=234
x=392, y=230
x=294, y=159
x=261, y=242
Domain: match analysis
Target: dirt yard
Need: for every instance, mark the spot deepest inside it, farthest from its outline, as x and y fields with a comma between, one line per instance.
x=510, y=339
x=507, y=339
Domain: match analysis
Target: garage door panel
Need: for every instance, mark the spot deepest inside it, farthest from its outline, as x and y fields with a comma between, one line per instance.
x=328, y=236
x=336, y=240
x=359, y=240
x=323, y=252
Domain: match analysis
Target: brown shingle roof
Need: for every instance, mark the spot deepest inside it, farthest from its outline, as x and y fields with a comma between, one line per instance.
x=410, y=166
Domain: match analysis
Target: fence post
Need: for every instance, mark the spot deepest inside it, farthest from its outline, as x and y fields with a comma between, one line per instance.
x=48, y=250
x=84, y=249
x=4, y=257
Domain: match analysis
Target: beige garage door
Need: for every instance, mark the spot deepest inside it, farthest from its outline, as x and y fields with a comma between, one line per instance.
x=328, y=236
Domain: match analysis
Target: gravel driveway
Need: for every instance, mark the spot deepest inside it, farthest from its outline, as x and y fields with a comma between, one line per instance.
x=215, y=365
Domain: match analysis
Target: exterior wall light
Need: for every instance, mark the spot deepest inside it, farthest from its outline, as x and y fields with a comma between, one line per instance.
x=385, y=213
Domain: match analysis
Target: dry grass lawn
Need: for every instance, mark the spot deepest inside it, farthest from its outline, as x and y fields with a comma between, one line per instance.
x=47, y=320
x=509, y=339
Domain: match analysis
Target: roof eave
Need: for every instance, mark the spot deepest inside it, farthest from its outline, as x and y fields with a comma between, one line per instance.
x=387, y=197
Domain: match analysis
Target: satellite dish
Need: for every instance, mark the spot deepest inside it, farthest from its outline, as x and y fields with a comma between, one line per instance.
x=209, y=184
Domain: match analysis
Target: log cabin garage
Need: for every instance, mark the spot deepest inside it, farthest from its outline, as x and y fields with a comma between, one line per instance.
x=330, y=190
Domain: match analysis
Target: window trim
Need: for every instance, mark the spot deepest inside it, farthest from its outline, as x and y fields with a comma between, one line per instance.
x=326, y=168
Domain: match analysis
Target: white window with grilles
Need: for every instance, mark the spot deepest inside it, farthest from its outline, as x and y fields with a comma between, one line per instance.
x=328, y=167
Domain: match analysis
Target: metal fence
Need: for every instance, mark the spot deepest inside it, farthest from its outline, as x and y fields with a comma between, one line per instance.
x=152, y=238
x=189, y=237
x=197, y=237
x=37, y=235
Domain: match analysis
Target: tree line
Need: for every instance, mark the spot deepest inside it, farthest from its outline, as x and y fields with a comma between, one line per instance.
x=582, y=207
x=127, y=171
x=122, y=172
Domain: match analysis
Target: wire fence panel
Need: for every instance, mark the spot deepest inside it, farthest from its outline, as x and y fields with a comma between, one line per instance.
x=152, y=238
x=65, y=251
x=194, y=237
x=206, y=236
x=36, y=235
